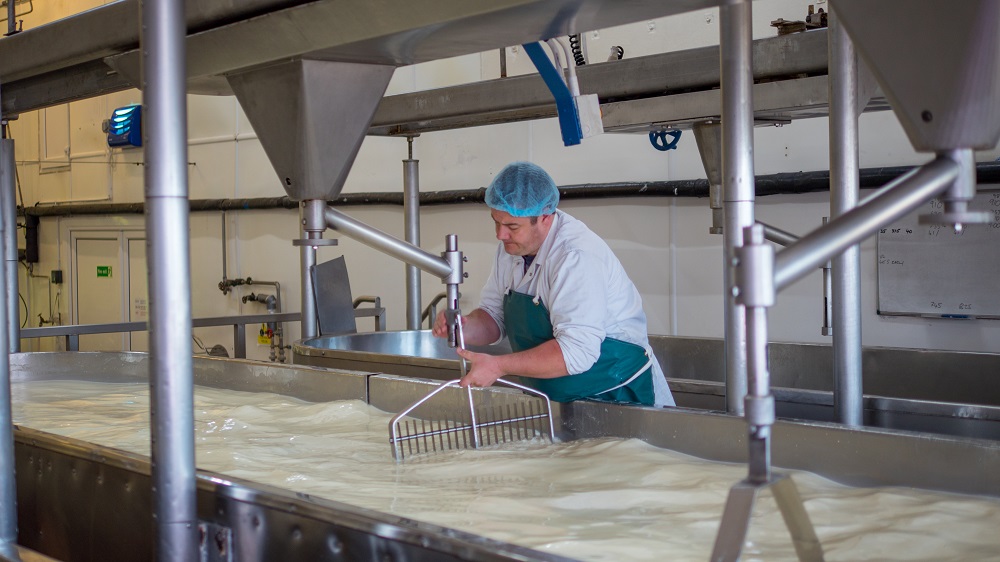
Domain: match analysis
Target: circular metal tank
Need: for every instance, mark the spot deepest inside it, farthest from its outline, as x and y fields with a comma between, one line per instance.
x=413, y=353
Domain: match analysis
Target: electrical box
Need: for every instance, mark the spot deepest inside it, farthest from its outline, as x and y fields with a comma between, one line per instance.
x=125, y=126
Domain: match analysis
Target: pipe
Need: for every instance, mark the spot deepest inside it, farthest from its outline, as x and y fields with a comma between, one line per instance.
x=273, y=303
x=755, y=281
x=385, y=243
x=167, y=235
x=892, y=202
x=11, y=14
x=784, y=238
x=8, y=484
x=8, y=210
x=275, y=284
x=827, y=329
x=778, y=236
x=411, y=228
x=791, y=183
x=845, y=270
x=312, y=228
x=735, y=48
x=224, y=244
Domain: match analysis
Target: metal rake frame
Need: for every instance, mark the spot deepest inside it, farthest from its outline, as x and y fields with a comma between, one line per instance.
x=468, y=433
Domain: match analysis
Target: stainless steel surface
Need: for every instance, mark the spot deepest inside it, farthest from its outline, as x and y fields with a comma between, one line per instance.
x=385, y=243
x=945, y=392
x=8, y=210
x=777, y=102
x=62, y=61
x=708, y=135
x=736, y=39
x=411, y=226
x=890, y=203
x=946, y=92
x=739, y=508
x=169, y=281
x=311, y=117
x=409, y=353
x=439, y=429
x=845, y=185
x=386, y=33
x=663, y=77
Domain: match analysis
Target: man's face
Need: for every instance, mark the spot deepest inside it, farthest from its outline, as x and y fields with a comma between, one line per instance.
x=519, y=236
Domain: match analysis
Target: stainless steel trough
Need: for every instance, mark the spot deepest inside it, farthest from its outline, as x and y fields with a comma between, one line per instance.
x=946, y=392
x=85, y=502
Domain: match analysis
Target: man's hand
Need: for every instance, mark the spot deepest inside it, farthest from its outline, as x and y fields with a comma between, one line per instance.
x=484, y=369
x=440, y=329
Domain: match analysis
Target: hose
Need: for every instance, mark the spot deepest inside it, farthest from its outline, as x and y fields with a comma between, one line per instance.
x=576, y=45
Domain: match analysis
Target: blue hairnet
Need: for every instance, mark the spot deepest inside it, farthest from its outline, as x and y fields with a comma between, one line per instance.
x=523, y=189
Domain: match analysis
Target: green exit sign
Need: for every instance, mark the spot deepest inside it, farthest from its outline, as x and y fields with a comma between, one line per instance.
x=104, y=271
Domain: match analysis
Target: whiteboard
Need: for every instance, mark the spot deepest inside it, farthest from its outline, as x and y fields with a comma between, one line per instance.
x=930, y=270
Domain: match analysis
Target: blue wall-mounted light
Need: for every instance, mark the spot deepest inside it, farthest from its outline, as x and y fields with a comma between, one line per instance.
x=125, y=127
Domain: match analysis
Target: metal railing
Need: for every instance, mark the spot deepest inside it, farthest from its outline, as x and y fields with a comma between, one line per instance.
x=239, y=323
x=430, y=313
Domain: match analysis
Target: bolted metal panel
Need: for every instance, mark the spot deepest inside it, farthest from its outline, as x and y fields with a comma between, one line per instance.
x=311, y=117
x=938, y=63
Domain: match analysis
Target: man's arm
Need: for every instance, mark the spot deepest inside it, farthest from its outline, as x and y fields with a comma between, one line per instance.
x=544, y=361
x=478, y=327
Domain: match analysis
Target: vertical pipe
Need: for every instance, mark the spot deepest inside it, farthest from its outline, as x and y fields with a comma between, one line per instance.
x=411, y=212
x=224, y=244
x=736, y=39
x=169, y=277
x=451, y=289
x=827, y=328
x=313, y=225
x=8, y=208
x=844, y=195
x=758, y=376
x=11, y=14
x=8, y=484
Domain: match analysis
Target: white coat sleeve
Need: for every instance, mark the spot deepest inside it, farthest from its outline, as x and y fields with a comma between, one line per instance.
x=577, y=306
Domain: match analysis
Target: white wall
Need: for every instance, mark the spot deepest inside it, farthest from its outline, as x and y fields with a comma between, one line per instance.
x=663, y=242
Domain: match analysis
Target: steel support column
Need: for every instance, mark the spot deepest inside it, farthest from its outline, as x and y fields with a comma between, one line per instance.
x=169, y=271
x=8, y=483
x=735, y=49
x=411, y=225
x=8, y=210
x=844, y=195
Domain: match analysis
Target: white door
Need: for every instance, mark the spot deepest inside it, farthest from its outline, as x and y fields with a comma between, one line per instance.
x=109, y=286
x=138, y=294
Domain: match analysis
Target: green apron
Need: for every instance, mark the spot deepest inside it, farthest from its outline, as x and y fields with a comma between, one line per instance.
x=623, y=372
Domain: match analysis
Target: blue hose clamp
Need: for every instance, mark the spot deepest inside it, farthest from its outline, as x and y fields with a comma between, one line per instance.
x=659, y=139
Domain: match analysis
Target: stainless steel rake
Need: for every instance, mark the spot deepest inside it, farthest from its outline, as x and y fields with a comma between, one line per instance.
x=480, y=426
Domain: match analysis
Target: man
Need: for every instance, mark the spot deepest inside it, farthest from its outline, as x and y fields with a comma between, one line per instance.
x=557, y=292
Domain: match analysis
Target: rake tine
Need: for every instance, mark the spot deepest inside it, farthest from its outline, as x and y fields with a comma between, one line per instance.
x=450, y=425
x=540, y=419
x=409, y=442
x=472, y=413
x=533, y=420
